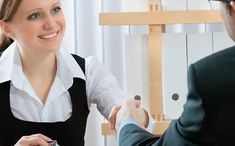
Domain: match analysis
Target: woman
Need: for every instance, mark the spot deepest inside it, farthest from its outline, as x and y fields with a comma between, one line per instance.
x=45, y=91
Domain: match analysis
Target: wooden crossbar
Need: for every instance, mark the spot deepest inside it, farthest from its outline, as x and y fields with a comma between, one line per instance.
x=159, y=18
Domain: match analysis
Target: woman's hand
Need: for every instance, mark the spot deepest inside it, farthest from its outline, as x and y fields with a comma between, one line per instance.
x=136, y=103
x=112, y=116
x=34, y=140
x=131, y=110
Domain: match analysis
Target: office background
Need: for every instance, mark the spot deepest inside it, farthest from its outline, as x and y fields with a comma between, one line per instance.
x=123, y=50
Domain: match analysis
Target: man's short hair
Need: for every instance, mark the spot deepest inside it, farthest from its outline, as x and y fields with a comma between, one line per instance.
x=227, y=1
x=227, y=4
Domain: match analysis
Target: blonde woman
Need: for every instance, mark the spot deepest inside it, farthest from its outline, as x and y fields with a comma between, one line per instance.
x=45, y=92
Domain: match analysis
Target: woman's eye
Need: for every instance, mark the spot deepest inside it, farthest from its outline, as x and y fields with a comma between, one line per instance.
x=56, y=10
x=34, y=16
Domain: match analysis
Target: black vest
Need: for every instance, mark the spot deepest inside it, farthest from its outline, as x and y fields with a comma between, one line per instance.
x=68, y=133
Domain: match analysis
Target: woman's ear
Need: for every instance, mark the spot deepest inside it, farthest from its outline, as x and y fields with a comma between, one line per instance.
x=6, y=29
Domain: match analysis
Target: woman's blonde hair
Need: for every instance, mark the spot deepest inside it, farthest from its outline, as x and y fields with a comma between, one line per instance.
x=8, y=9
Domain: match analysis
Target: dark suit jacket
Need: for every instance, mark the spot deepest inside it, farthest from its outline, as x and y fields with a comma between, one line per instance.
x=208, y=118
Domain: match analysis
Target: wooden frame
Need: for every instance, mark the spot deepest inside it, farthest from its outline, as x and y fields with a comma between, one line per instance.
x=156, y=20
x=159, y=18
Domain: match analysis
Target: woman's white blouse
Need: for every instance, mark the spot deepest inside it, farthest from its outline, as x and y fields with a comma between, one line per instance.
x=101, y=87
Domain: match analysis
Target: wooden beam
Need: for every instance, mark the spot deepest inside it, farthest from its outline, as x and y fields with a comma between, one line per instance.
x=155, y=5
x=155, y=71
x=159, y=128
x=167, y=17
x=106, y=129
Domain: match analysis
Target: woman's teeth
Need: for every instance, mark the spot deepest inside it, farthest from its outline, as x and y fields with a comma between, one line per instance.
x=48, y=36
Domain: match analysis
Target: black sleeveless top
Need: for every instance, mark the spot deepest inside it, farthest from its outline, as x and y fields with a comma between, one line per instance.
x=68, y=133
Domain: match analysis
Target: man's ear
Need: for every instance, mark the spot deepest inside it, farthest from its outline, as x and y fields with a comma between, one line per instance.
x=6, y=29
x=232, y=5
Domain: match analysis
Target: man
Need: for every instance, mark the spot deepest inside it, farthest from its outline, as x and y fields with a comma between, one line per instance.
x=208, y=118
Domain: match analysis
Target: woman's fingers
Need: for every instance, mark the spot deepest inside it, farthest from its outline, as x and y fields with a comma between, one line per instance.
x=34, y=140
x=112, y=116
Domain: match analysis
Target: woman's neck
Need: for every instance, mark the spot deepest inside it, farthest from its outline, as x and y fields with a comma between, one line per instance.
x=40, y=70
x=39, y=65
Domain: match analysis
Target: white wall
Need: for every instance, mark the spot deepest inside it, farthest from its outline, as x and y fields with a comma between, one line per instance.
x=69, y=39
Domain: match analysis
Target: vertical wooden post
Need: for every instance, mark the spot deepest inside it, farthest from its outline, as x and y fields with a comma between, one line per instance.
x=155, y=71
x=155, y=68
x=155, y=5
x=155, y=65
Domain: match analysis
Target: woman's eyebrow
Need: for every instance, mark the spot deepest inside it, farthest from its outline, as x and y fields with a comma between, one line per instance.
x=37, y=9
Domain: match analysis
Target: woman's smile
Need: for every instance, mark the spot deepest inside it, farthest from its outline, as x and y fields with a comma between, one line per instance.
x=49, y=36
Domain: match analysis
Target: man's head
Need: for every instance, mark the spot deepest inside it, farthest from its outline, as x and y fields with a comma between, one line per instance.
x=227, y=11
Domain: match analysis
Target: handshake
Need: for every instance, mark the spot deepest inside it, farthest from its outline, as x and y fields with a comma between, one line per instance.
x=132, y=111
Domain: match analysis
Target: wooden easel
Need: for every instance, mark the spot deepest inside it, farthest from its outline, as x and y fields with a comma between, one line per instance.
x=156, y=19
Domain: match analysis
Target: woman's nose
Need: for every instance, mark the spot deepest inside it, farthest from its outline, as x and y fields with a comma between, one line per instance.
x=49, y=23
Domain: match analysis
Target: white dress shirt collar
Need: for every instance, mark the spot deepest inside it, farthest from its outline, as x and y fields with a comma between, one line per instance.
x=11, y=67
x=6, y=63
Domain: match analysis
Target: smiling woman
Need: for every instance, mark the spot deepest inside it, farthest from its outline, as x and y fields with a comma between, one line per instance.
x=38, y=77
x=46, y=23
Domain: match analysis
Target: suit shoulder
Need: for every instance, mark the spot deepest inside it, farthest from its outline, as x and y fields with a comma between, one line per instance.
x=214, y=71
x=217, y=59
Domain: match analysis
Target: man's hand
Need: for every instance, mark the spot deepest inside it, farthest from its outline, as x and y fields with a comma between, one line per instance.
x=131, y=110
x=34, y=140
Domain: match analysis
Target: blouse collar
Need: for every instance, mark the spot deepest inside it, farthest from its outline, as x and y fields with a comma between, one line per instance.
x=11, y=67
